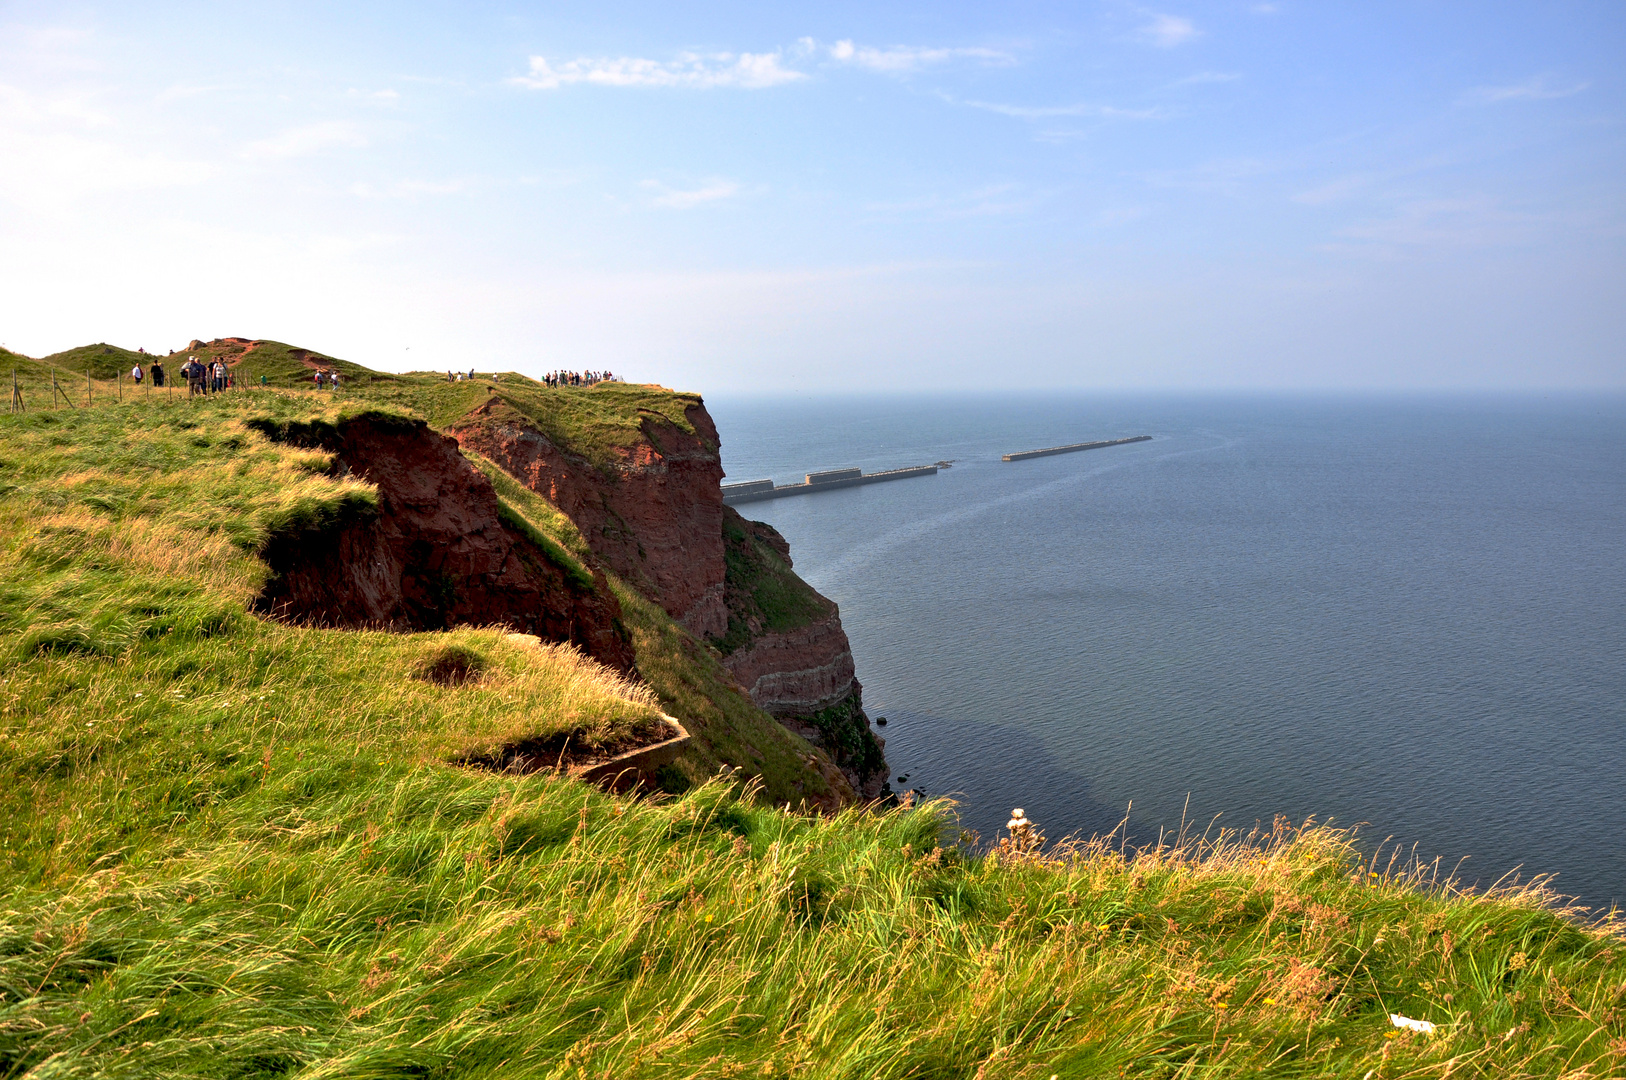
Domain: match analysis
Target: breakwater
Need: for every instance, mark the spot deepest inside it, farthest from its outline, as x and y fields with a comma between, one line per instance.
x=1023, y=455
x=760, y=490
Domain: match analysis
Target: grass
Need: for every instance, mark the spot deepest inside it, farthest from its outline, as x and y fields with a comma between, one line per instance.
x=320, y=910
x=764, y=593
x=234, y=848
x=597, y=423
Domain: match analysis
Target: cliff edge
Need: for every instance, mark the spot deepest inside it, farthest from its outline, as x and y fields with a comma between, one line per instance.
x=649, y=504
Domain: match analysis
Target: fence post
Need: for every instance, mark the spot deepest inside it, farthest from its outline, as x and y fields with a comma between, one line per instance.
x=87, y=384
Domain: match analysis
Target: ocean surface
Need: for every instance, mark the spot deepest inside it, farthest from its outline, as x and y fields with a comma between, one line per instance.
x=1403, y=613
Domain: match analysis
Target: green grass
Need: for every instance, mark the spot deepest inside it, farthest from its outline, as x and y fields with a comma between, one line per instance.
x=764, y=593
x=598, y=423
x=234, y=848
x=102, y=360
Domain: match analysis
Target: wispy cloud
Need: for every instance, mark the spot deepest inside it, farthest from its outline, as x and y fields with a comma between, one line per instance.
x=1227, y=176
x=408, y=189
x=901, y=59
x=1471, y=221
x=75, y=150
x=990, y=201
x=1335, y=190
x=376, y=97
x=689, y=198
x=1537, y=88
x=694, y=70
x=1206, y=77
x=304, y=141
x=1050, y=112
x=1167, y=31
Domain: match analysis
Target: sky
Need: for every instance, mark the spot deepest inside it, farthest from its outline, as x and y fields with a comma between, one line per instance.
x=833, y=197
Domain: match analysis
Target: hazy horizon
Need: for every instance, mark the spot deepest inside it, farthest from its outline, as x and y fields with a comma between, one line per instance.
x=1213, y=197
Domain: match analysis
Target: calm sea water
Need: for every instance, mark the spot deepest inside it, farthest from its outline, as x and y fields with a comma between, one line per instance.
x=1404, y=613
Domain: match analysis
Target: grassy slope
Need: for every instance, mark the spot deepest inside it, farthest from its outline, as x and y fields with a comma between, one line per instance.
x=198, y=882
x=764, y=594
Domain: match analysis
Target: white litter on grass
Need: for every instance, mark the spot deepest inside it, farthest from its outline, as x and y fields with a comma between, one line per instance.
x=1422, y=1026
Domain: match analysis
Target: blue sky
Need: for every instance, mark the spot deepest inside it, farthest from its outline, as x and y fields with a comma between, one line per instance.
x=744, y=197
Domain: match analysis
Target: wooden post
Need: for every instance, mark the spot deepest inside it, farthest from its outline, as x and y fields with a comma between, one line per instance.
x=87, y=384
x=120, y=376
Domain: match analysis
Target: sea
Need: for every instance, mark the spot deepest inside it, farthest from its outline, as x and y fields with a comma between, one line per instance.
x=1402, y=614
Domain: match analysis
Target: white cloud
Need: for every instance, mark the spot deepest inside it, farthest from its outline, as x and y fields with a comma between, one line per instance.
x=680, y=199
x=1537, y=88
x=1046, y=112
x=304, y=141
x=1167, y=31
x=905, y=58
x=407, y=189
x=993, y=200
x=1334, y=191
x=74, y=150
x=1227, y=176
x=1207, y=77
x=376, y=97
x=744, y=70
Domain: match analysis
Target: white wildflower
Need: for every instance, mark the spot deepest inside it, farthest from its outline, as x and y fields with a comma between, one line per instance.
x=1421, y=1026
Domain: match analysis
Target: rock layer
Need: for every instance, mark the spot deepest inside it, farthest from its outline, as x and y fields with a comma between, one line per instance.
x=786, y=646
x=655, y=516
x=436, y=554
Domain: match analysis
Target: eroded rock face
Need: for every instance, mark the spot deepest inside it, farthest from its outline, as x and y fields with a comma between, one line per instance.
x=785, y=645
x=437, y=554
x=655, y=517
x=798, y=671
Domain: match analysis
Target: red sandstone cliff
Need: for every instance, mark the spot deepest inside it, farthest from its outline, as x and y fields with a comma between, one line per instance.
x=654, y=513
x=655, y=516
x=436, y=554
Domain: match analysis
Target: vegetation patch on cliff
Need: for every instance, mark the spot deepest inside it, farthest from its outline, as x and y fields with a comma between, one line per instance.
x=596, y=423
x=762, y=591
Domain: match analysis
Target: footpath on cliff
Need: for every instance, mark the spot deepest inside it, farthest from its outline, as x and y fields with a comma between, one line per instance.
x=296, y=686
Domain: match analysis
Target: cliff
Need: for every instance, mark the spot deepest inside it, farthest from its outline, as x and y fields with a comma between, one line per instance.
x=786, y=646
x=649, y=504
x=436, y=553
x=258, y=848
x=651, y=508
x=589, y=515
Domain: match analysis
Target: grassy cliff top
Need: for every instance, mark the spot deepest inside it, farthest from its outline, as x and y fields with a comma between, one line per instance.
x=230, y=847
x=597, y=423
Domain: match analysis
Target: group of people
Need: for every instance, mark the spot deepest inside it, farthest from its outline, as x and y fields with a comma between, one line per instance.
x=201, y=378
x=327, y=379
x=577, y=378
x=156, y=373
x=210, y=378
